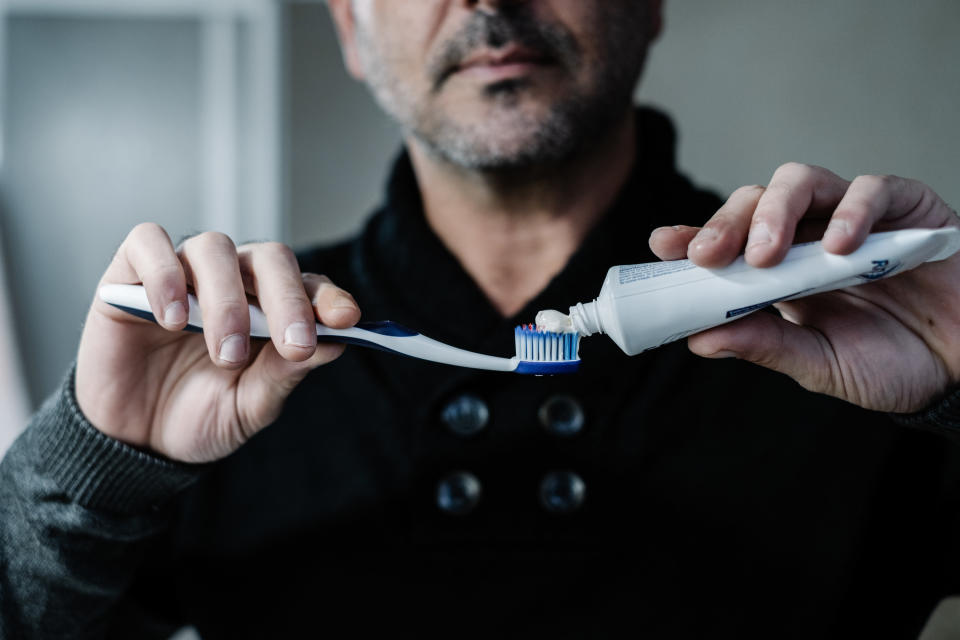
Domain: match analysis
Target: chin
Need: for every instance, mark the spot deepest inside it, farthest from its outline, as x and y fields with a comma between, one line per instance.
x=518, y=141
x=498, y=151
x=512, y=127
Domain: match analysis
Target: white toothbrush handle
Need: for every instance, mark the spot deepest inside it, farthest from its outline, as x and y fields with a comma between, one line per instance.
x=413, y=344
x=133, y=299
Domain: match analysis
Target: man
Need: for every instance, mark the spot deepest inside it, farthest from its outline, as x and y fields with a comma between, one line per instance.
x=666, y=494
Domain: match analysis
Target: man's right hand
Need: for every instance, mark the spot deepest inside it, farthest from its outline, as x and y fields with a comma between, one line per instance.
x=198, y=397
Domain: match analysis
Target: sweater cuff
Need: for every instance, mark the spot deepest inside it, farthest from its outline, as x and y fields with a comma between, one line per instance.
x=97, y=471
x=943, y=416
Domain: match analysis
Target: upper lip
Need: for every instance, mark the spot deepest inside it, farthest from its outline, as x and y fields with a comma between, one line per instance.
x=510, y=55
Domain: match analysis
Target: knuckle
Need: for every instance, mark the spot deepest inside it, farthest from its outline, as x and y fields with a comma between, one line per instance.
x=219, y=239
x=268, y=248
x=168, y=272
x=277, y=248
x=147, y=229
x=267, y=256
x=145, y=234
x=874, y=182
x=792, y=168
x=749, y=190
x=213, y=240
x=799, y=172
x=779, y=187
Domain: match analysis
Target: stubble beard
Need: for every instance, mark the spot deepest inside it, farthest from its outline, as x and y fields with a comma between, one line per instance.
x=511, y=137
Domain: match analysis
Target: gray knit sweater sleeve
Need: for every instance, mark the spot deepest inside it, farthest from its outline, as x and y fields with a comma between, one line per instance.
x=77, y=509
x=941, y=416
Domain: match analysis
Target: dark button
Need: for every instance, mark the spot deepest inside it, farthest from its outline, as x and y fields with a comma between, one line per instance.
x=458, y=493
x=562, y=416
x=466, y=415
x=562, y=492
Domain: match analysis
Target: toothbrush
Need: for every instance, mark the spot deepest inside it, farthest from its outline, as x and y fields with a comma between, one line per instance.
x=538, y=352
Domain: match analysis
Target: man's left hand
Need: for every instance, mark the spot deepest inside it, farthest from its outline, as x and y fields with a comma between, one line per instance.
x=892, y=345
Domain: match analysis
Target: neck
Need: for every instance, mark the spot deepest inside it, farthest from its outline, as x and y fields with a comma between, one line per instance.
x=513, y=233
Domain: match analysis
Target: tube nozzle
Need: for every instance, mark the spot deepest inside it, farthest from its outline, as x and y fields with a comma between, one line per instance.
x=586, y=318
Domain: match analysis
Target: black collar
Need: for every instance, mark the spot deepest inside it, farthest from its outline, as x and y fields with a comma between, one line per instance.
x=418, y=282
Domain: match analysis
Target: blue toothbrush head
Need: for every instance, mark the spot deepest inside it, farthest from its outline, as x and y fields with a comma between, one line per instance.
x=546, y=352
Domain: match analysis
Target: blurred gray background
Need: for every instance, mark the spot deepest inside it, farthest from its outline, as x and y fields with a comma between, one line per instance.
x=105, y=119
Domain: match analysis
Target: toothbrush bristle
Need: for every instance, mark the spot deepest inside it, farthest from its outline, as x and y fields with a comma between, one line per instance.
x=546, y=351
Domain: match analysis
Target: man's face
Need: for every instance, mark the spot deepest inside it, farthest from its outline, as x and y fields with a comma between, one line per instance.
x=500, y=85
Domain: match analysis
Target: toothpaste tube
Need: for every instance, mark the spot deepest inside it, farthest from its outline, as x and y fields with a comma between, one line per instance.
x=643, y=306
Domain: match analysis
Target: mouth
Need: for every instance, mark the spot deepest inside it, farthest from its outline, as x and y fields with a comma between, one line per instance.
x=497, y=65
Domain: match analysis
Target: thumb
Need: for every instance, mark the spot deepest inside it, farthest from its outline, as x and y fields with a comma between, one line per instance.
x=266, y=384
x=768, y=340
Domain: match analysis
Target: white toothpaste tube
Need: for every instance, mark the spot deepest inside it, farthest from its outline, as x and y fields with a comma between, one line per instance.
x=643, y=306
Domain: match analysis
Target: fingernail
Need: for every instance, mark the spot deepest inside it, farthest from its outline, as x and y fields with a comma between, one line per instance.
x=759, y=234
x=175, y=313
x=343, y=302
x=233, y=349
x=298, y=335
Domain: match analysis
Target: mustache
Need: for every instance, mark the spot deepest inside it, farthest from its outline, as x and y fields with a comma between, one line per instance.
x=515, y=26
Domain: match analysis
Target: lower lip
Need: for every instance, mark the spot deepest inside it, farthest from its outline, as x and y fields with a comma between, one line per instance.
x=499, y=72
